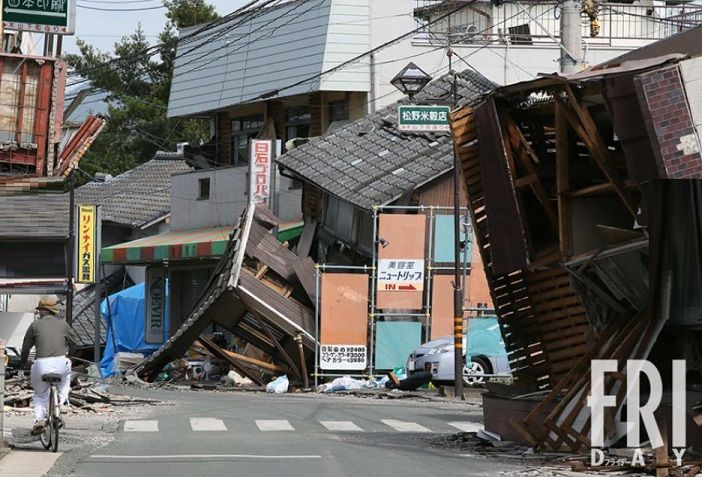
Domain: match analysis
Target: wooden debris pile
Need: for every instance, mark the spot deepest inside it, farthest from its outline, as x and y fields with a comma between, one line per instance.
x=82, y=397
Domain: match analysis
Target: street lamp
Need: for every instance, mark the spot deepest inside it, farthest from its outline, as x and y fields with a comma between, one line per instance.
x=411, y=80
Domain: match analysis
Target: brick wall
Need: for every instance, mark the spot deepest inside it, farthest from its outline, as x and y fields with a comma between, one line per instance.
x=671, y=128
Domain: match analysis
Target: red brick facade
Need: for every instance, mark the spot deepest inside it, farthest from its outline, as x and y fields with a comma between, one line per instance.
x=668, y=119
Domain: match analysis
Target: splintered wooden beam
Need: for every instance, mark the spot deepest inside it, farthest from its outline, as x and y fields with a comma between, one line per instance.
x=562, y=181
x=584, y=125
x=278, y=346
x=522, y=151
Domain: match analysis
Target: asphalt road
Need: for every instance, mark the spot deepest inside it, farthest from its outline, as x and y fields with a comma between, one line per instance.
x=266, y=435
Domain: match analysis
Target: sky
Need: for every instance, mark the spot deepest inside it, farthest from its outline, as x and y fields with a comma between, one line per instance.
x=103, y=29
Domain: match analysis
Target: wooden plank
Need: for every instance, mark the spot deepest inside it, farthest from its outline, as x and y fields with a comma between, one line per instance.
x=562, y=181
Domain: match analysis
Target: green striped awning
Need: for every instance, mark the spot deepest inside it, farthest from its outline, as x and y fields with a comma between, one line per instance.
x=171, y=246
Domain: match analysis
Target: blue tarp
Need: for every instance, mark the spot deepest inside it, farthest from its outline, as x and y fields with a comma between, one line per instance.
x=125, y=326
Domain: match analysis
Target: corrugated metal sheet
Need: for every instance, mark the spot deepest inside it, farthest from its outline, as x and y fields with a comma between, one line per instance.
x=240, y=59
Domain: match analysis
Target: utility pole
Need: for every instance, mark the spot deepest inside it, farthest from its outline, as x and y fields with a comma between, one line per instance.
x=70, y=247
x=571, y=37
x=457, y=295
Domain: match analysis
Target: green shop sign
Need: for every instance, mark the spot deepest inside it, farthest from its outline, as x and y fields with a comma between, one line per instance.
x=423, y=118
x=43, y=16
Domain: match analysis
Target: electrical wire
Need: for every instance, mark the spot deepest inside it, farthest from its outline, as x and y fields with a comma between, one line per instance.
x=86, y=7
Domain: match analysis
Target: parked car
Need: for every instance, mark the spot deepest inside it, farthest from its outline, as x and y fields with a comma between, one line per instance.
x=484, y=353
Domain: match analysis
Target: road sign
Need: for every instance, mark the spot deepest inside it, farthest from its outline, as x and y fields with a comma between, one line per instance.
x=43, y=16
x=423, y=118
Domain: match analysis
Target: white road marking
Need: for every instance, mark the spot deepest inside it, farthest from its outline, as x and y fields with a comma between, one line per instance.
x=140, y=426
x=466, y=426
x=274, y=425
x=202, y=456
x=207, y=424
x=340, y=426
x=404, y=426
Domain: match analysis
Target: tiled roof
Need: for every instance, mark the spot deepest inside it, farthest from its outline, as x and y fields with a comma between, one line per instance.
x=370, y=162
x=137, y=196
x=133, y=198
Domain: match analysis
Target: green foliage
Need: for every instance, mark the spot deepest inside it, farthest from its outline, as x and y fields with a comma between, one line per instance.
x=137, y=82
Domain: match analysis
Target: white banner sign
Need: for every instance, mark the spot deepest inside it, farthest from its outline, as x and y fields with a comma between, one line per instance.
x=400, y=274
x=260, y=171
x=343, y=357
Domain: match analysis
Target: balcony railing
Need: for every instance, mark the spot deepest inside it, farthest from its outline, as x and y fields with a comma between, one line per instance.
x=530, y=23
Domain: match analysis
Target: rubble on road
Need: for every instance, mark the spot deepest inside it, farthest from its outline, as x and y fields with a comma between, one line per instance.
x=82, y=397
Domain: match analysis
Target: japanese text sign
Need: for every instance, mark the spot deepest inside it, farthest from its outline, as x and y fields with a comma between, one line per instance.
x=86, y=253
x=155, y=305
x=343, y=357
x=42, y=16
x=400, y=274
x=423, y=118
x=260, y=171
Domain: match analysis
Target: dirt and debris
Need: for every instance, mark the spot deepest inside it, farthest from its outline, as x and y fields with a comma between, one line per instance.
x=83, y=397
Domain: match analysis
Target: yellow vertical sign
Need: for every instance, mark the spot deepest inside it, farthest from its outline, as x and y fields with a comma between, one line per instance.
x=86, y=253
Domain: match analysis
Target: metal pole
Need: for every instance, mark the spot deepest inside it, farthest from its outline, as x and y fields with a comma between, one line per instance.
x=371, y=348
x=457, y=295
x=316, y=327
x=429, y=283
x=2, y=374
x=70, y=248
x=96, y=338
x=571, y=37
x=303, y=364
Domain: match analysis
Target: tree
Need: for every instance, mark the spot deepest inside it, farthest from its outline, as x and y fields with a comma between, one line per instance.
x=136, y=78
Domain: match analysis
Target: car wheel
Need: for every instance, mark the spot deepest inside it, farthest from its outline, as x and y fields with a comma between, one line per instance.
x=472, y=371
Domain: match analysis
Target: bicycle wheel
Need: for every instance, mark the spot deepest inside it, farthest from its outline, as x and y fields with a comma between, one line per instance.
x=55, y=419
x=54, y=434
x=46, y=433
x=45, y=436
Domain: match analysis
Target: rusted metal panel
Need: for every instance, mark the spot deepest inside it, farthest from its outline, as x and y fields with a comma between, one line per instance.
x=507, y=245
x=31, y=103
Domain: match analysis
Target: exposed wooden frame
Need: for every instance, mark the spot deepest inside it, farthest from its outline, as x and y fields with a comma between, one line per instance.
x=278, y=346
x=584, y=125
x=563, y=181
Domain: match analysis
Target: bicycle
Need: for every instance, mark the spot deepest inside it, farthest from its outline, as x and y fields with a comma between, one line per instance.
x=49, y=436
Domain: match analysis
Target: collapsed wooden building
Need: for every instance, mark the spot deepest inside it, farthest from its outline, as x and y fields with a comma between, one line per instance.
x=590, y=251
x=261, y=292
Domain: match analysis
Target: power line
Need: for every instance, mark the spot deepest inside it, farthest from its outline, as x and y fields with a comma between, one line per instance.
x=86, y=7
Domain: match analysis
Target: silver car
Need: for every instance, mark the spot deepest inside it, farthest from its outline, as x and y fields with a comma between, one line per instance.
x=484, y=354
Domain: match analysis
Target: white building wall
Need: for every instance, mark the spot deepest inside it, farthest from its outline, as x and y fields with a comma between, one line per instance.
x=499, y=61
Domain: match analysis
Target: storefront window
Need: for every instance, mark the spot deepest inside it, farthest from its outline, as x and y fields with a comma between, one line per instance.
x=297, y=122
x=243, y=131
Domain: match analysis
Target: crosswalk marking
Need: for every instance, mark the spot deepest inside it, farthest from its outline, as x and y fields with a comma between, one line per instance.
x=340, y=426
x=140, y=426
x=207, y=424
x=466, y=426
x=274, y=425
x=404, y=426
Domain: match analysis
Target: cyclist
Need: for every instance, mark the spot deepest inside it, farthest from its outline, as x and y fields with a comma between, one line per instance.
x=50, y=334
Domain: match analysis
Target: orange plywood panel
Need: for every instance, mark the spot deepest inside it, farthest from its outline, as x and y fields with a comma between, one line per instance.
x=441, y=306
x=477, y=291
x=401, y=236
x=344, y=309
